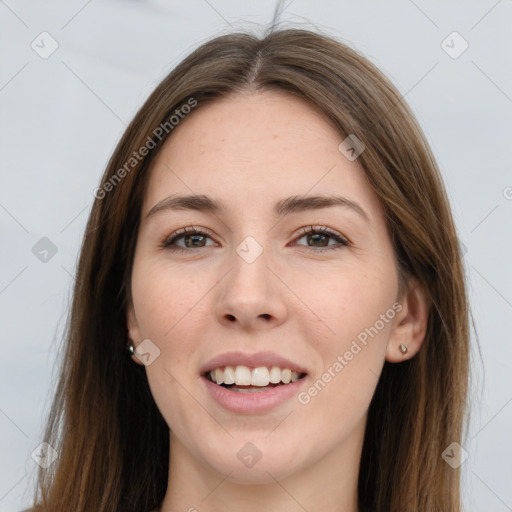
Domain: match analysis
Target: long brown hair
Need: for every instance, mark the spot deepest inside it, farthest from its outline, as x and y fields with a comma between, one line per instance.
x=112, y=440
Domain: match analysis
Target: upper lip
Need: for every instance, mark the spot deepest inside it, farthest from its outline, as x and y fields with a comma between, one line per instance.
x=252, y=360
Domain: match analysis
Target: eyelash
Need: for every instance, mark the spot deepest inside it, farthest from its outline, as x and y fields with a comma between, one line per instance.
x=181, y=233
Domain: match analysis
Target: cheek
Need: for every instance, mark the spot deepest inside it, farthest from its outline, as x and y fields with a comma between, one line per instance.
x=351, y=335
x=162, y=298
x=173, y=402
x=346, y=304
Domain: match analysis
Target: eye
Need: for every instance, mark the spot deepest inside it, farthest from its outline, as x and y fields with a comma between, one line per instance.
x=193, y=238
x=323, y=236
x=196, y=238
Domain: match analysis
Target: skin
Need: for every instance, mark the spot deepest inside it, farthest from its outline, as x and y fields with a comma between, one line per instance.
x=250, y=151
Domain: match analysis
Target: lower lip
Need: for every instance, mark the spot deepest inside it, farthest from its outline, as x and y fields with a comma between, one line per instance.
x=258, y=401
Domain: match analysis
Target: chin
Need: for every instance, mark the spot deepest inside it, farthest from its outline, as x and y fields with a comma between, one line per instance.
x=260, y=473
x=258, y=462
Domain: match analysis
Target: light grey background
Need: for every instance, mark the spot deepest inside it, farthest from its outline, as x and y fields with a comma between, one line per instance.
x=61, y=117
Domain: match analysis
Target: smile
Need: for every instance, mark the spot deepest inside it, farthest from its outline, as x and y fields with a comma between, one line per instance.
x=243, y=379
x=258, y=398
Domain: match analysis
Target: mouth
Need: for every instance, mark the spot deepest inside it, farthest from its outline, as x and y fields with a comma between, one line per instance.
x=244, y=379
x=256, y=383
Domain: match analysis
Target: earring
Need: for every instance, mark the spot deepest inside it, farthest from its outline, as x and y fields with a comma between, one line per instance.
x=131, y=349
x=402, y=348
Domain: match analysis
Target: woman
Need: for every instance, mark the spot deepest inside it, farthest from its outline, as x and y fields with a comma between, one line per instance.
x=270, y=307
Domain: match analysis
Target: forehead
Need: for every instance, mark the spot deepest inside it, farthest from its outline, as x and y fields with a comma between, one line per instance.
x=253, y=124
x=256, y=149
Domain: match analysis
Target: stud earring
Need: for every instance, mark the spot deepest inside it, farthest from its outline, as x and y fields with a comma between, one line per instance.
x=402, y=348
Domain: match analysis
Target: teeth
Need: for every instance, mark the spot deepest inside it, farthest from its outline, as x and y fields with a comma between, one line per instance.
x=242, y=376
x=260, y=377
x=229, y=375
x=275, y=375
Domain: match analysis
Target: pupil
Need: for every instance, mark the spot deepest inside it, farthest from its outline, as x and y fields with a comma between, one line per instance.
x=195, y=237
x=320, y=235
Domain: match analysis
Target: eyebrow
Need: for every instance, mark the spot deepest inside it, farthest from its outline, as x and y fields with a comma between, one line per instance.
x=203, y=203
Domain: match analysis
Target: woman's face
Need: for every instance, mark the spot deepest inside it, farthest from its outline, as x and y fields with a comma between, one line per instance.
x=256, y=290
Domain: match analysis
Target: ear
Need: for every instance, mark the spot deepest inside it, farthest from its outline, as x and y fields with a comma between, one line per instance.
x=133, y=329
x=410, y=324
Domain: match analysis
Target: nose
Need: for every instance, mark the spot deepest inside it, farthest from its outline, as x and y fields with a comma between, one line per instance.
x=252, y=295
